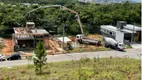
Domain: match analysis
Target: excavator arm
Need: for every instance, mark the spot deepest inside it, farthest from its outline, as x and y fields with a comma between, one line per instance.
x=63, y=8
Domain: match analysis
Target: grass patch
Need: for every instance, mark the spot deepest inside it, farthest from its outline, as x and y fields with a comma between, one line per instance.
x=75, y=50
x=85, y=69
x=128, y=46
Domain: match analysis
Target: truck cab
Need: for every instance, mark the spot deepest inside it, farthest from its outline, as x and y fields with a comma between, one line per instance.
x=120, y=46
x=79, y=37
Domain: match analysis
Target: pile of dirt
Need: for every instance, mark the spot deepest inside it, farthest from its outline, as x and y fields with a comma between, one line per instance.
x=95, y=36
x=72, y=38
x=53, y=45
x=46, y=42
x=7, y=50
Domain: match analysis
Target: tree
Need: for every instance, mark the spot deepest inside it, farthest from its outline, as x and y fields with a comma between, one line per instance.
x=51, y=19
x=40, y=57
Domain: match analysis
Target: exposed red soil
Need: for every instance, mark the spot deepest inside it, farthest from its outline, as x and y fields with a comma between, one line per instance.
x=7, y=50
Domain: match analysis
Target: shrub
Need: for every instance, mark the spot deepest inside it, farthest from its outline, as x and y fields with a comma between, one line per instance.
x=40, y=57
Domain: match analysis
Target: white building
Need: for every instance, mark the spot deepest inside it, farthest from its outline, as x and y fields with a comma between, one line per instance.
x=123, y=32
x=86, y=1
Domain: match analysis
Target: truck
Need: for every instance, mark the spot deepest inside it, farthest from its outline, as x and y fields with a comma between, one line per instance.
x=82, y=39
x=110, y=42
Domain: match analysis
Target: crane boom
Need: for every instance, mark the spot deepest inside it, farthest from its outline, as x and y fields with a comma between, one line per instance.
x=64, y=8
x=78, y=18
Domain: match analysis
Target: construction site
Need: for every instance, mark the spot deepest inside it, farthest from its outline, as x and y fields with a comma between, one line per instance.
x=23, y=40
x=52, y=46
x=26, y=38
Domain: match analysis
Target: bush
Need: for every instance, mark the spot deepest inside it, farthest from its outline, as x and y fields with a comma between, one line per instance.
x=39, y=58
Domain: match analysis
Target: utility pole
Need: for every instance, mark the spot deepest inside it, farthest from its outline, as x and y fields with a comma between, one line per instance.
x=63, y=36
x=13, y=43
x=132, y=39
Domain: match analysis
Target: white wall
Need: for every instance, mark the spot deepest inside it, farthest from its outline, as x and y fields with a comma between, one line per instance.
x=119, y=36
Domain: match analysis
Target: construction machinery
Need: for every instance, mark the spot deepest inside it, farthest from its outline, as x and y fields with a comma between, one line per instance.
x=109, y=42
x=82, y=39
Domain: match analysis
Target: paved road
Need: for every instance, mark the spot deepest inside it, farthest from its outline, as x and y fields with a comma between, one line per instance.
x=131, y=53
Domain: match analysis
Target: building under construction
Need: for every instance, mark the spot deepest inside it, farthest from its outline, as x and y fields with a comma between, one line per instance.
x=25, y=38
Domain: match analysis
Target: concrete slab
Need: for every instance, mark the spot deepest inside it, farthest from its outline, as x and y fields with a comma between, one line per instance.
x=136, y=45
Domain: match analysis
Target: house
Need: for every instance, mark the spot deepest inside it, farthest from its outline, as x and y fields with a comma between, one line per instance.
x=26, y=4
x=122, y=32
x=25, y=38
x=102, y=1
x=86, y=1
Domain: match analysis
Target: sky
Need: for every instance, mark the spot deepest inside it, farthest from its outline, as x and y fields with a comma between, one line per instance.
x=137, y=0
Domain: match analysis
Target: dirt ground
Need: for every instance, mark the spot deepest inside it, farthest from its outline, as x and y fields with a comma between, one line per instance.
x=7, y=50
x=88, y=47
x=95, y=36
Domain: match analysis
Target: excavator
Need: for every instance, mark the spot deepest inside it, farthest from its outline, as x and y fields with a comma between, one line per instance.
x=80, y=37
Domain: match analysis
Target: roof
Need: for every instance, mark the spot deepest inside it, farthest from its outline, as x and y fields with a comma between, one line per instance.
x=27, y=4
x=122, y=21
x=39, y=31
x=66, y=39
x=109, y=27
x=23, y=37
x=130, y=27
x=30, y=23
x=22, y=34
x=127, y=31
x=19, y=30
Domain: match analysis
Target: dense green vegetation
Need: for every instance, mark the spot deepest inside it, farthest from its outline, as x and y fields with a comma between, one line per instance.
x=92, y=16
x=85, y=69
x=62, y=2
